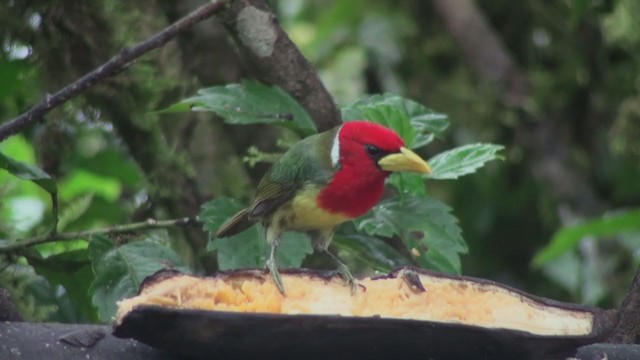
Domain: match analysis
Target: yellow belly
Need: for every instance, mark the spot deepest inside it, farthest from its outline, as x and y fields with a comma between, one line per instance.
x=308, y=215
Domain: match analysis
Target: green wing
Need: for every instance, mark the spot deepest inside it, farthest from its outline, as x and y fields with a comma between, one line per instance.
x=306, y=162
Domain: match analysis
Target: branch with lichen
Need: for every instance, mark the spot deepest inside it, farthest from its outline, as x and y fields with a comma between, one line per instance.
x=276, y=60
x=112, y=230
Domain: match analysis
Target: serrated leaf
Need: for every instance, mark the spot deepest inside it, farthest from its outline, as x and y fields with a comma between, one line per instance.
x=568, y=238
x=408, y=183
x=294, y=247
x=373, y=226
x=415, y=123
x=28, y=172
x=426, y=228
x=215, y=212
x=249, y=103
x=120, y=270
x=243, y=250
x=393, y=117
x=249, y=248
x=240, y=251
x=72, y=270
x=462, y=160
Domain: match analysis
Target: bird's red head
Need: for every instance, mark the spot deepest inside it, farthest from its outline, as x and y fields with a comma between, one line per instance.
x=361, y=144
x=364, y=154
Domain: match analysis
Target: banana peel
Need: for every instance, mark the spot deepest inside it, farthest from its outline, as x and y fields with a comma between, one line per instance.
x=409, y=313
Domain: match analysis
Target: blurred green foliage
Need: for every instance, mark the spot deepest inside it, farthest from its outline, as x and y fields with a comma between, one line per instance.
x=120, y=269
x=52, y=281
x=114, y=163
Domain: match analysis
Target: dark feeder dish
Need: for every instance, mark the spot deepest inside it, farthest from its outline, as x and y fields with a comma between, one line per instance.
x=409, y=313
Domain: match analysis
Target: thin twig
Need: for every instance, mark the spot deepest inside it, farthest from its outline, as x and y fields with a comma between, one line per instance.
x=112, y=230
x=112, y=67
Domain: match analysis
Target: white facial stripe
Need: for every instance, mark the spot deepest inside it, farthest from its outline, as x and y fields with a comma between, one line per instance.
x=335, y=149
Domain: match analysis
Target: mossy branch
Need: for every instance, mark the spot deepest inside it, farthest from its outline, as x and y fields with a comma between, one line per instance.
x=112, y=230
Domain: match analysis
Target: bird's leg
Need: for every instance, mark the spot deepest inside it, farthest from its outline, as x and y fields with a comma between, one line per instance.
x=273, y=238
x=343, y=270
x=321, y=240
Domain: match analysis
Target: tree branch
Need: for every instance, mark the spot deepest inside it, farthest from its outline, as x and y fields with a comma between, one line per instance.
x=110, y=68
x=483, y=49
x=628, y=329
x=112, y=230
x=276, y=60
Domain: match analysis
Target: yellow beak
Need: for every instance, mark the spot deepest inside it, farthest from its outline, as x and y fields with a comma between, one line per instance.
x=405, y=160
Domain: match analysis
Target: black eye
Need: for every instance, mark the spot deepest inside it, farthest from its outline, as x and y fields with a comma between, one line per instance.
x=372, y=150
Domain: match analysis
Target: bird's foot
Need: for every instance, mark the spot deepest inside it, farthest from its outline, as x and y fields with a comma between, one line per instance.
x=343, y=270
x=275, y=275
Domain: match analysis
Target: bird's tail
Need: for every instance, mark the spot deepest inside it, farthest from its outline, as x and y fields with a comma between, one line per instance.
x=238, y=223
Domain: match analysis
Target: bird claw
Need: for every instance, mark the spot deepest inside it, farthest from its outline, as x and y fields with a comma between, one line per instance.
x=275, y=275
x=343, y=270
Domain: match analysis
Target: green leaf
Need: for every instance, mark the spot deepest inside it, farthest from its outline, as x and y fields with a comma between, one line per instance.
x=425, y=226
x=249, y=103
x=119, y=270
x=415, y=123
x=238, y=252
x=74, y=210
x=59, y=247
x=392, y=117
x=249, y=248
x=462, y=160
x=370, y=251
x=80, y=182
x=371, y=224
x=243, y=250
x=110, y=163
x=294, y=247
x=568, y=238
x=19, y=149
x=408, y=183
x=28, y=172
x=72, y=270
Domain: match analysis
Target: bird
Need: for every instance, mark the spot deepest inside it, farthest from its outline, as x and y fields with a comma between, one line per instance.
x=322, y=181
